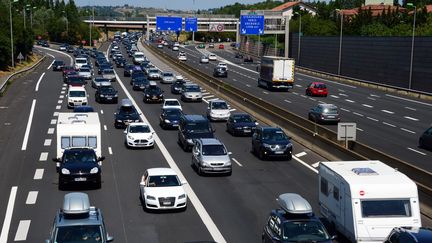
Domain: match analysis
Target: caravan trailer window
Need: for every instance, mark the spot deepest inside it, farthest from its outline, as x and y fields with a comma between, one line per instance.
x=65, y=142
x=324, y=186
x=336, y=193
x=386, y=208
x=78, y=142
x=92, y=142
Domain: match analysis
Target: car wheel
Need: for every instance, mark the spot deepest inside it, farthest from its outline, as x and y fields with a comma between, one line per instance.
x=289, y=157
x=185, y=147
x=261, y=155
x=310, y=117
x=421, y=143
x=200, y=171
x=98, y=184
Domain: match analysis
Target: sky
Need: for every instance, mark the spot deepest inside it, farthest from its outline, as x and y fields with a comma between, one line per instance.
x=169, y=4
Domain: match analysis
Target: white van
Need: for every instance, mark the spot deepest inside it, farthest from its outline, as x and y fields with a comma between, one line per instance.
x=78, y=130
x=364, y=200
x=79, y=62
x=76, y=96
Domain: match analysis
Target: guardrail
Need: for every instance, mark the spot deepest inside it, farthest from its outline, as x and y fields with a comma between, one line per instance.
x=314, y=136
x=5, y=82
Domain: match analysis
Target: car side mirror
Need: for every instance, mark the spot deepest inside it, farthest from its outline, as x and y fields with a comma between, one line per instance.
x=214, y=130
x=184, y=182
x=102, y=158
x=289, y=137
x=110, y=238
x=56, y=159
x=275, y=238
x=125, y=131
x=334, y=237
x=229, y=153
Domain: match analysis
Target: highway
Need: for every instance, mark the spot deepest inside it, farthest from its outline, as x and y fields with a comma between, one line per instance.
x=388, y=122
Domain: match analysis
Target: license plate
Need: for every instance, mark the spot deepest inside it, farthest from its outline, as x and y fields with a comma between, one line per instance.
x=109, y=98
x=330, y=117
x=154, y=98
x=81, y=179
x=217, y=169
x=247, y=130
x=175, y=125
x=279, y=152
x=166, y=203
x=320, y=91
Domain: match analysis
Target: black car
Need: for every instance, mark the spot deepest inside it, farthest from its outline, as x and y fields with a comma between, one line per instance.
x=409, y=235
x=137, y=74
x=100, y=60
x=70, y=49
x=220, y=72
x=140, y=83
x=78, y=165
x=152, y=93
x=120, y=62
x=241, y=124
x=103, y=66
x=170, y=118
x=45, y=43
x=271, y=142
x=70, y=74
x=58, y=65
x=126, y=114
x=106, y=94
x=128, y=70
x=176, y=87
x=248, y=59
x=83, y=109
x=425, y=141
x=294, y=222
x=76, y=81
x=192, y=127
x=238, y=55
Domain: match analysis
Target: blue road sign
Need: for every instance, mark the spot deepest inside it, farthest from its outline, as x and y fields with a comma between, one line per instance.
x=252, y=24
x=191, y=24
x=168, y=23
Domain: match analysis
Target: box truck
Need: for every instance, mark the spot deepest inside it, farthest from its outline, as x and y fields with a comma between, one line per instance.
x=78, y=130
x=364, y=200
x=276, y=73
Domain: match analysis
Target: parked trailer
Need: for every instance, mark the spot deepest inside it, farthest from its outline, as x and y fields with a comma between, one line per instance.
x=276, y=72
x=364, y=200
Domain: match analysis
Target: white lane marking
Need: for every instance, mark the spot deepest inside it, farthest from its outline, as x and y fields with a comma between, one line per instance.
x=315, y=165
x=32, y=197
x=47, y=142
x=58, y=107
x=416, y=151
x=59, y=101
x=70, y=58
x=199, y=207
x=361, y=130
x=414, y=101
x=53, y=121
x=358, y=114
x=265, y=92
x=8, y=216
x=300, y=79
x=345, y=109
x=386, y=111
x=409, y=108
x=300, y=154
x=56, y=113
x=205, y=100
x=350, y=101
x=321, y=102
x=368, y=106
x=312, y=99
x=238, y=163
x=22, y=231
x=231, y=110
x=51, y=55
x=373, y=119
x=43, y=156
x=374, y=95
x=38, y=82
x=411, y=118
x=234, y=79
x=50, y=130
x=371, y=98
x=29, y=123
x=62, y=92
x=61, y=96
x=63, y=88
x=341, y=90
x=334, y=96
x=206, y=93
x=287, y=101
x=110, y=150
x=327, y=81
x=50, y=65
x=64, y=85
x=406, y=130
x=101, y=111
x=304, y=96
x=213, y=99
x=295, y=93
x=248, y=85
x=38, y=175
x=389, y=124
x=342, y=94
x=305, y=164
x=209, y=96
x=105, y=127
x=298, y=85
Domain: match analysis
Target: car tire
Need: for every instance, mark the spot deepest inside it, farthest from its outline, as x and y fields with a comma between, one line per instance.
x=261, y=154
x=185, y=147
x=421, y=143
x=98, y=184
x=229, y=173
x=289, y=157
x=200, y=172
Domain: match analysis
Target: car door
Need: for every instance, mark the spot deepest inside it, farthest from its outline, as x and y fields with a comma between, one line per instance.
x=256, y=139
x=427, y=138
x=196, y=153
x=209, y=108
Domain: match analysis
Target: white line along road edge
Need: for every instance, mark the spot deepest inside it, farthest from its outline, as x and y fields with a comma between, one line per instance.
x=38, y=82
x=8, y=215
x=27, y=132
x=202, y=212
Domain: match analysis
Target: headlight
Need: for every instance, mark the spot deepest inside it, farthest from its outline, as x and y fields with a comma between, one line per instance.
x=65, y=171
x=147, y=95
x=102, y=95
x=150, y=197
x=115, y=95
x=182, y=196
x=119, y=121
x=130, y=137
x=189, y=140
x=151, y=137
x=204, y=164
x=94, y=170
x=167, y=121
x=228, y=163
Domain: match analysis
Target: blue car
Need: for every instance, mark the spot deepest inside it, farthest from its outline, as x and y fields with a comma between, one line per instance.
x=170, y=118
x=241, y=124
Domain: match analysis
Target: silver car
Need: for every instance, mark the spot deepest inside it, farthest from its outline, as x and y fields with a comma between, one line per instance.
x=86, y=73
x=109, y=74
x=168, y=78
x=204, y=59
x=191, y=92
x=209, y=155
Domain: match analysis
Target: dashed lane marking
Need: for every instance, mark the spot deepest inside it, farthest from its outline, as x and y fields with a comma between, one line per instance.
x=287, y=101
x=248, y=85
x=48, y=68
x=232, y=110
x=321, y=102
x=416, y=151
x=56, y=113
x=312, y=99
x=361, y=130
x=406, y=130
x=342, y=94
x=389, y=124
x=371, y=98
x=50, y=130
x=105, y=127
x=368, y=106
x=350, y=101
x=38, y=82
x=238, y=163
x=388, y=112
x=304, y=96
x=22, y=231
x=53, y=121
x=38, y=175
x=47, y=142
x=101, y=111
x=63, y=88
x=43, y=156
x=374, y=95
x=59, y=101
x=110, y=150
x=300, y=154
x=411, y=118
x=265, y=92
x=58, y=107
x=62, y=92
x=334, y=96
x=8, y=216
x=410, y=108
x=343, y=109
x=61, y=96
x=373, y=119
x=32, y=197
x=298, y=85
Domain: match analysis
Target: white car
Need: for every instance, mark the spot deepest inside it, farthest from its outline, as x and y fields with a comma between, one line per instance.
x=222, y=65
x=138, y=57
x=160, y=188
x=139, y=134
x=86, y=73
x=167, y=78
x=182, y=57
x=171, y=103
x=204, y=59
x=79, y=62
x=175, y=48
x=212, y=57
x=218, y=110
x=77, y=96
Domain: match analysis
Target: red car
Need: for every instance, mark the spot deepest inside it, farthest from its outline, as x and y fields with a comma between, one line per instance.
x=67, y=69
x=317, y=89
x=221, y=46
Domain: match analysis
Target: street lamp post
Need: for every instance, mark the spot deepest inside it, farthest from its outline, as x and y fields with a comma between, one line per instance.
x=299, y=38
x=412, y=44
x=340, y=40
x=11, y=31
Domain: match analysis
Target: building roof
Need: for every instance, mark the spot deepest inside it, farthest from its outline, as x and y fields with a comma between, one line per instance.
x=376, y=9
x=289, y=5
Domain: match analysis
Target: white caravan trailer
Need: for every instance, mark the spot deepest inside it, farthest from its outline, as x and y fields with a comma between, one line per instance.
x=78, y=130
x=364, y=200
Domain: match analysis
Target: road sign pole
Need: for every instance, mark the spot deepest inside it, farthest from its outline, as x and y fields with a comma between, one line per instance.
x=259, y=45
x=346, y=137
x=287, y=36
x=193, y=37
x=238, y=32
x=148, y=28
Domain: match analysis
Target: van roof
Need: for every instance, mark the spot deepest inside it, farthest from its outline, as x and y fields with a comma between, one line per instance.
x=78, y=118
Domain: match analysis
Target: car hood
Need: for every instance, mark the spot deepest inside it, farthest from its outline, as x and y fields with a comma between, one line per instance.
x=220, y=111
x=77, y=167
x=216, y=159
x=133, y=116
x=271, y=142
x=192, y=93
x=140, y=135
x=244, y=124
x=192, y=135
x=169, y=191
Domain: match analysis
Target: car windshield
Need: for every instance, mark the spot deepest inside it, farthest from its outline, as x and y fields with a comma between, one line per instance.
x=139, y=56
x=163, y=181
x=168, y=74
x=139, y=129
x=59, y=62
x=213, y=150
x=242, y=118
x=77, y=94
x=304, y=231
x=107, y=89
x=81, y=233
x=153, y=71
x=330, y=110
x=84, y=70
x=320, y=86
x=108, y=71
x=81, y=61
x=173, y=112
x=172, y=103
x=219, y=106
x=198, y=127
x=82, y=156
x=99, y=79
x=192, y=89
x=138, y=74
x=275, y=136
x=153, y=88
x=127, y=109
